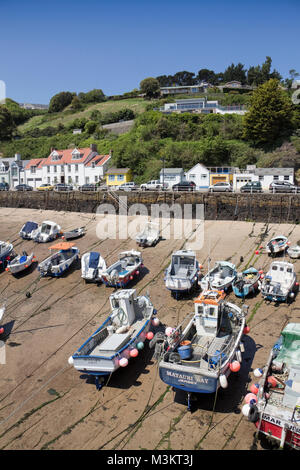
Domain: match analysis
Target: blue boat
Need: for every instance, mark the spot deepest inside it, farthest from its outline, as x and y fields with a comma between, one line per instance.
x=246, y=282
x=58, y=263
x=196, y=356
x=118, y=339
x=120, y=273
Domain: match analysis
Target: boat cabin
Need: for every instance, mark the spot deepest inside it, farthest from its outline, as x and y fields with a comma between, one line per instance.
x=122, y=305
x=207, y=312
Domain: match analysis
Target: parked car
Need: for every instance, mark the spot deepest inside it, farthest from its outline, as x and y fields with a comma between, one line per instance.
x=130, y=186
x=283, y=187
x=220, y=186
x=4, y=186
x=23, y=187
x=88, y=187
x=252, y=187
x=45, y=187
x=63, y=187
x=184, y=186
x=153, y=185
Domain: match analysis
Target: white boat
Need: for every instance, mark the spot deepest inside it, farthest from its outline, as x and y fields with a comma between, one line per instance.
x=246, y=282
x=199, y=354
x=276, y=408
x=2, y=311
x=120, y=273
x=221, y=276
x=92, y=266
x=58, y=263
x=120, y=337
x=47, y=232
x=6, y=252
x=28, y=231
x=277, y=245
x=294, y=251
x=149, y=236
x=182, y=273
x=20, y=263
x=76, y=233
x=280, y=282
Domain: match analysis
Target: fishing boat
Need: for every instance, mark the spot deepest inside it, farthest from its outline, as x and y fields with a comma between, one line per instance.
x=182, y=273
x=20, y=263
x=60, y=261
x=294, y=251
x=276, y=408
x=246, y=283
x=6, y=253
x=280, y=282
x=47, y=232
x=76, y=233
x=221, y=276
x=120, y=273
x=199, y=355
x=2, y=311
x=277, y=245
x=120, y=337
x=29, y=230
x=92, y=266
x=149, y=236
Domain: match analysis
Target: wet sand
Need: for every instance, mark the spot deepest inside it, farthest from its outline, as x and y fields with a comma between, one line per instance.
x=46, y=404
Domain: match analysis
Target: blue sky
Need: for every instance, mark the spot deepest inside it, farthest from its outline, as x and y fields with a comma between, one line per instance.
x=52, y=46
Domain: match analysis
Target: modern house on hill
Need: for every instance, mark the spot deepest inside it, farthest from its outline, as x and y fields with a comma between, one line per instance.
x=200, y=105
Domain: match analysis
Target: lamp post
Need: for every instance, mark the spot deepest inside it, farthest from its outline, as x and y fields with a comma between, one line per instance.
x=163, y=175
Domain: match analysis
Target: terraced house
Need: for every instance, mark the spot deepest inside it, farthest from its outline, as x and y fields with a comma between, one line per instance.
x=70, y=166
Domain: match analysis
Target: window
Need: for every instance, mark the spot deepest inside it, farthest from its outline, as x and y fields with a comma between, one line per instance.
x=96, y=179
x=55, y=168
x=111, y=177
x=76, y=155
x=276, y=177
x=76, y=167
x=120, y=177
x=69, y=179
x=33, y=169
x=76, y=179
x=48, y=169
x=87, y=180
x=286, y=178
x=48, y=180
x=55, y=179
x=69, y=167
x=261, y=178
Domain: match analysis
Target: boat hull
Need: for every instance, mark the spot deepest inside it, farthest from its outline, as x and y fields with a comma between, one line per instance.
x=191, y=382
x=19, y=267
x=272, y=426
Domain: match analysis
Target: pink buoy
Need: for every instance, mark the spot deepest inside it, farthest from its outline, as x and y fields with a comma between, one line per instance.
x=1, y=331
x=257, y=252
x=123, y=362
x=235, y=366
x=155, y=322
x=131, y=277
x=134, y=353
x=272, y=381
x=246, y=330
x=260, y=271
x=254, y=388
x=262, y=276
x=137, y=272
x=249, y=397
x=149, y=335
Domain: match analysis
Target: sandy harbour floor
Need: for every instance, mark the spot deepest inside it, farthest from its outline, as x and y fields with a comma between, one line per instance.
x=46, y=404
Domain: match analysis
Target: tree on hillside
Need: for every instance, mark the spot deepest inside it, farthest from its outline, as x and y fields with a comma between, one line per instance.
x=93, y=96
x=235, y=72
x=60, y=101
x=261, y=74
x=7, y=125
x=270, y=115
x=184, y=78
x=150, y=87
x=209, y=76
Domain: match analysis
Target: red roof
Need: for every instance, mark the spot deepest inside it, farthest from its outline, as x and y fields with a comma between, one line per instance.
x=34, y=162
x=99, y=160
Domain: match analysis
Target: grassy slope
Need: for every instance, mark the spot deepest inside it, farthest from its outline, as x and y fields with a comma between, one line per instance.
x=138, y=105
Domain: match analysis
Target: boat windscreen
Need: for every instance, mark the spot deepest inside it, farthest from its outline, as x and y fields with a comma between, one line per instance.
x=94, y=260
x=29, y=227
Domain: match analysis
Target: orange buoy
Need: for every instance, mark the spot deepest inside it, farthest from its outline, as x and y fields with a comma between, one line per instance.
x=246, y=330
x=249, y=397
x=272, y=381
x=235, y=366
x=254, y=388
x=149, y=335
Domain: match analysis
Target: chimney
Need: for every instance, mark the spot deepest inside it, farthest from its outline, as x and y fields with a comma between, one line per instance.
x=17, y=157
x=93, y=148
x=110, y=152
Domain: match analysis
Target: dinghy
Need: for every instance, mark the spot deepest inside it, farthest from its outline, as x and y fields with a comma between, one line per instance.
x=76, y=233
x=246, y=282
x=47, y=232
x=275, y=409
x=29, y=230
x=280, y=283
x=6, y=253
x=205, y=348
x=58, y=263
x=277, y=245
x=20, y=263
x=220, y=277
x=119, y=338
x=149, y=235
x=182, y=273
x=294, y=251
x=92, y=266
x=123, y=270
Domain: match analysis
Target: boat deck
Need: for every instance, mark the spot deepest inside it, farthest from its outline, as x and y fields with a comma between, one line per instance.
x=204, y=348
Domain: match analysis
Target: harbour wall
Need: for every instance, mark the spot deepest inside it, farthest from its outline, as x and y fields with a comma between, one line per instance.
x=261, y=207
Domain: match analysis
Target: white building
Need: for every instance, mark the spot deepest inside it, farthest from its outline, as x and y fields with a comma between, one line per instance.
x=199, y=174
x=12, y=170
x=171, y=176
x=70, y=166
x=264, y=175
x=200, y=105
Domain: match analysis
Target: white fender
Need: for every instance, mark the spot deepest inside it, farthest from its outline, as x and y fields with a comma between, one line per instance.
x=223, y=381
x=245, y=410
x=238, y=355
x=71, y=360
